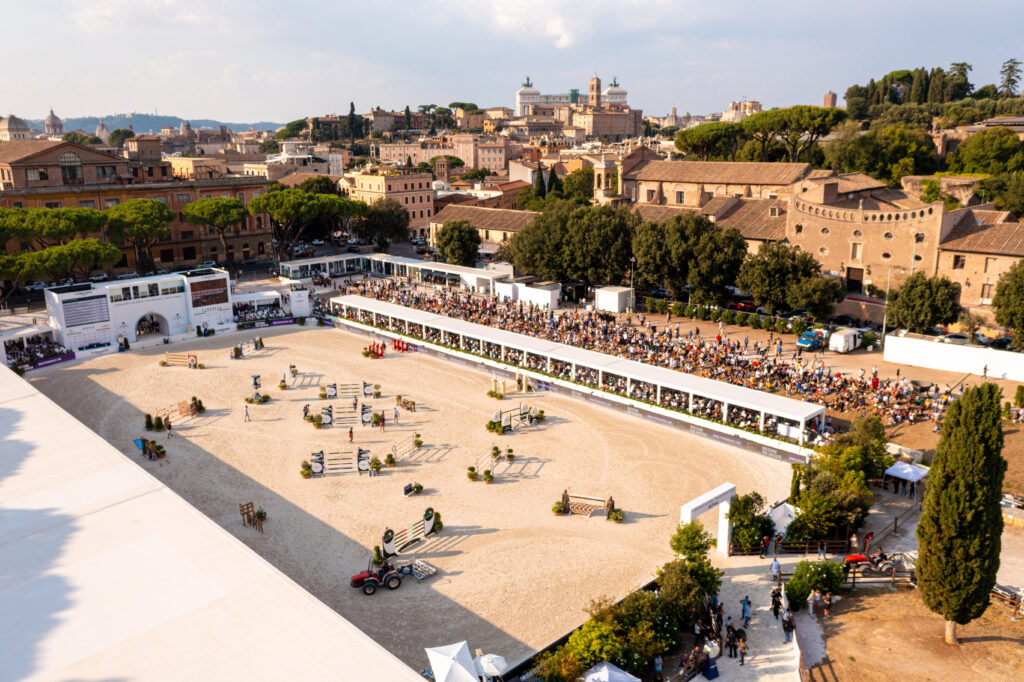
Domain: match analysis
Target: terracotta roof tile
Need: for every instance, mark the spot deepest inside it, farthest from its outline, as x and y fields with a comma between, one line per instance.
x=1004, y=239
x=752, y=217
x=503, y=219
x=720, y=172
x=297, y=178
x=17, y=150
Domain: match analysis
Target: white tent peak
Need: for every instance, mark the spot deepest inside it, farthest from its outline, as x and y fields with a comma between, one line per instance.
x=452, y=663
x=606, y=672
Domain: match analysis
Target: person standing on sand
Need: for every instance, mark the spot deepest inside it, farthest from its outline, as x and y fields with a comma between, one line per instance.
x=167, y=423
x=396, y=414
x=743, y=650
x=246, y=417
x=350, y=435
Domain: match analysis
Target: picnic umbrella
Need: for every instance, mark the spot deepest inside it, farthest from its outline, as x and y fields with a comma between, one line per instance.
x=490, y=664
x=452, y=663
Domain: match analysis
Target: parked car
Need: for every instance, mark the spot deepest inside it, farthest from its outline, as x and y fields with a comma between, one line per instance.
x=844, y=321
x=744, y=306
x=131, y=274
x=37, y=286
x=303, y=252
x=1002, y=343
x=658, y=292
x=352, y=248
x=812, y=340
x=207, y=264
x=959, y=339
x=419, y=248
x=317, y=242
x=98, y=277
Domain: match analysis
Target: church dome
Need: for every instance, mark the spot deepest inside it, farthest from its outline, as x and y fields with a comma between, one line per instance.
x=53, y=125
x=101, y=131
x=13, y=128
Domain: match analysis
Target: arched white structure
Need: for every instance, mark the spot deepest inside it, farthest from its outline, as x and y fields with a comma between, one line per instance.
x=720, y=496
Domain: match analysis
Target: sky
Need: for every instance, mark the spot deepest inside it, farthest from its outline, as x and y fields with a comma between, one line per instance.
x=256, y=60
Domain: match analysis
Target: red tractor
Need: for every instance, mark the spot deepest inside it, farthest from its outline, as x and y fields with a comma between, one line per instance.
x=876, y=563
x=370, y=579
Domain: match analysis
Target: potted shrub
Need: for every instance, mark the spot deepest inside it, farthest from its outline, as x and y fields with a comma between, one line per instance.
x=149, y=422
x=375, y=464
x=307, y=469
x=495, y=453
x=437, y=521
x=163, y=363
x=323, y=392
x=318, y=421
x=376, y=390
x=282, y=385
x=158, y=423
x=417, y=488
x=199, y=405
x=201, y=366
x=487, y=476
x=617, y=516
x=510, y=457
x=558, y=507
x=265, y=398
x=418, y=442
x=540, y=415
x=378, y=557
x=376, y=419
x=301, y=321
x=389, y=460
x=261, y=515
x=471, y=474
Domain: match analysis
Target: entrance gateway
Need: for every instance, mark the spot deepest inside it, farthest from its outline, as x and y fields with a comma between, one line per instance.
x=720, y=497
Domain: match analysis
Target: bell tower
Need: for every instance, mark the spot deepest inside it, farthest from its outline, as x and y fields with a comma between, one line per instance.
x=595, y=92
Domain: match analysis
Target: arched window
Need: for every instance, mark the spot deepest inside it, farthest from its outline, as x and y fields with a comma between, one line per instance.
x=71, y=169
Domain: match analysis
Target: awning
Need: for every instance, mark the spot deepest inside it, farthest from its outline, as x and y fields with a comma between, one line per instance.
x=908, y=472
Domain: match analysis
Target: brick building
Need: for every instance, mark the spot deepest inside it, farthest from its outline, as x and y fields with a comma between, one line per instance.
x=494, y=225
x=412, y=190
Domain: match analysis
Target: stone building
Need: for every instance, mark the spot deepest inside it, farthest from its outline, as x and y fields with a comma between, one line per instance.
x=412, y=190
x=13, y=128
x=977, y=251
x=494, y=225
x=53, y=126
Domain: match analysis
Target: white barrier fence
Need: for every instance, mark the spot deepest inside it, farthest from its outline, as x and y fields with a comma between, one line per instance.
x=928, y=351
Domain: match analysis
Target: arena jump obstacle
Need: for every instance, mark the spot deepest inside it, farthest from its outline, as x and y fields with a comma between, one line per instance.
x=181, y=360
x=394, y=543
x=585, y=505
x=510, y=419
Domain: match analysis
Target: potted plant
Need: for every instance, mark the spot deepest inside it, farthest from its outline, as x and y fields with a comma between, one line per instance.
x=438, y=526
x=282, y=385
x=323, y=392
x=471, y=474
x=375, y=464
x=418, y=442
x=307, y=469
x=487, y=476
x=389, y=460
x=376, y=419
x=201, y=366
x=293, y=370
x=261, y=515
x=540, y=415
x=558, y=508
x=163, y=363
x=495, y=453
x=158, y=423
x=617, y=516
x=378, y=557
x=417, y=488
x=376, y=390
x=510, y=457
x=318, y=421
x=149, y=422
x=508, y=454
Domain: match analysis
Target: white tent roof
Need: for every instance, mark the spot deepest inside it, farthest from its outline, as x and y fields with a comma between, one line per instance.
x=452, y=663
x=908, y=472
x=782, y=516
x=108, y=574
x=739, y=396
x=606, y=672
x=256, y=296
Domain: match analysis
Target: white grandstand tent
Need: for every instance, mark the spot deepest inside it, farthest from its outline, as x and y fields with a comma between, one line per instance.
x=614, y=374
x=108, y=574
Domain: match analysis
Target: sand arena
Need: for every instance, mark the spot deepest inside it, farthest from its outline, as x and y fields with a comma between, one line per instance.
x=512, y=576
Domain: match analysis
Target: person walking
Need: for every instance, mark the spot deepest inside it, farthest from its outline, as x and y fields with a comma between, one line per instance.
x=743, y=650
x=350, y=435
x=776, y=605
x=355, y=403
x=787, y=624
x=730, y=642
x=913, y=490
x=776, y=566
x=821, y=549
x=778, y=541
x=305, y=411
x=167, y=423
x=827, y=602
x=764, y=546
x=811, y=599
x=867, y=541
x=396, y=414
x=853, y=542
x=382, y=422
x=746, y=612
x=658, y=664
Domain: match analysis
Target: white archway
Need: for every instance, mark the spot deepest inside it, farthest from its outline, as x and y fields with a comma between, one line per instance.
x=720, y=497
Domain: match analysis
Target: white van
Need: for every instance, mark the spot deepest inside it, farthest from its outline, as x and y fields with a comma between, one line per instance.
x=845, y=340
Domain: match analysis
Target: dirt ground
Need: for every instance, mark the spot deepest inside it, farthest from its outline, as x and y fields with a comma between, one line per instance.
x=512, y=576
x=885, y=634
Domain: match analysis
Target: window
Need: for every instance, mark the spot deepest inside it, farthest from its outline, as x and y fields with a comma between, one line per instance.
x=35, y=174
x=824, y=230
x=149, y=171
x=86, y=203
x=187, y=234
x=986, y=293
x=182, y=198
x=188, y=253
x=52, y=204
x=650, y=195
x=888, y=235
x=161, y=199
x=106, y=171
x=823, y=251
x=857, y=233
x=71, y=168
x=798, y=228
x=680, y=197
x=989, y=262
x=886, y=255
x=163, y=171
x=958, y=262
x=17, y=204
x=855, y=251
x=107, y=203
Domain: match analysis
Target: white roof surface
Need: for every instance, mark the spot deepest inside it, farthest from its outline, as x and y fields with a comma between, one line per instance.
x=105, y=573
x=739, y=396
x=906, y=471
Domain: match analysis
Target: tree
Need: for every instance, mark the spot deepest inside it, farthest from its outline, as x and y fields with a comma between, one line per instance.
x=140, y=223
x=290, y=211
x=969, y=325
x=580, y=184
x=458, y=242
x=408, y=118
x=554, y=184
x=354, y=124
x=817, y=294
x=79, y=138
x=596, y=248
x=957, y=85
x=936, y=86
x=922, y=303
x=717, y=258
x=592, y=643
x=768, y=275
x=959, y=532
x=319, y=184
x=118, y=136
x=538, y=248
x=1006, y=190
x=453, y=161
x=1009, y=301
x=293, y=129
x=691, y=541
x=78, y=258
x=269, y=147
x=710, y=140
x=681, y=591
x=539, y=188
x=996, y=150
x=50, y=226
x=801, y=127
x=826, y=576
x=749, y=522
x=1009, y=76
x=18, y=269
x=219, y=214
x=385, y=222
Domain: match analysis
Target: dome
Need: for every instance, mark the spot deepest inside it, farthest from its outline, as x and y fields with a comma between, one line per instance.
x=52, y=118
x=101, y=131
x=13, y=128
x=53, y=125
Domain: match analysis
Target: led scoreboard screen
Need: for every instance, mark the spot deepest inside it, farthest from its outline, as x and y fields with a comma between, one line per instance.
x=87, y=310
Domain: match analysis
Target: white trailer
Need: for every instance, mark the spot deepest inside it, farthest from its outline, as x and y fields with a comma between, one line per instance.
x=845, y=340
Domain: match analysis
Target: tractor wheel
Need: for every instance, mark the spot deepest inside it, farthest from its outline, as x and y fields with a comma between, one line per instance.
x=369, y=588
x=393, y=582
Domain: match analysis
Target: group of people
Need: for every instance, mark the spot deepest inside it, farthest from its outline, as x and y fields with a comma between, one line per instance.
x=758, y=365
x=248, y=312
x=29, y=350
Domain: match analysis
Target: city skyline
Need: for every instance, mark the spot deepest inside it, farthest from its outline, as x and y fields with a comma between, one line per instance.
x=250, y=62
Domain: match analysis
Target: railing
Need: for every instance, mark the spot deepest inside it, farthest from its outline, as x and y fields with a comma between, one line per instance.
x=806, y=547
x=894, y=526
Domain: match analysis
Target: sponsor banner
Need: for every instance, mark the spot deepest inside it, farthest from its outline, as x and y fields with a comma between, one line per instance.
x=633, y=411
x=46, y=362
x=283, y=320
x=327, y=322
x=661, y=420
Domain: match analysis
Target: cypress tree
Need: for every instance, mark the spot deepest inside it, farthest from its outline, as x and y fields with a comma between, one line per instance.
x=554, y=184
x=538, y=182
x=794, y=485
x=936, y=85
x=872, y=93
x=959, y=533
x=917, y=88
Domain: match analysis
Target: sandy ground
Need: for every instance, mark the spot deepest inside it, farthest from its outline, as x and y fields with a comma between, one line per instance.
x=512, y=576
x=865, y=642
